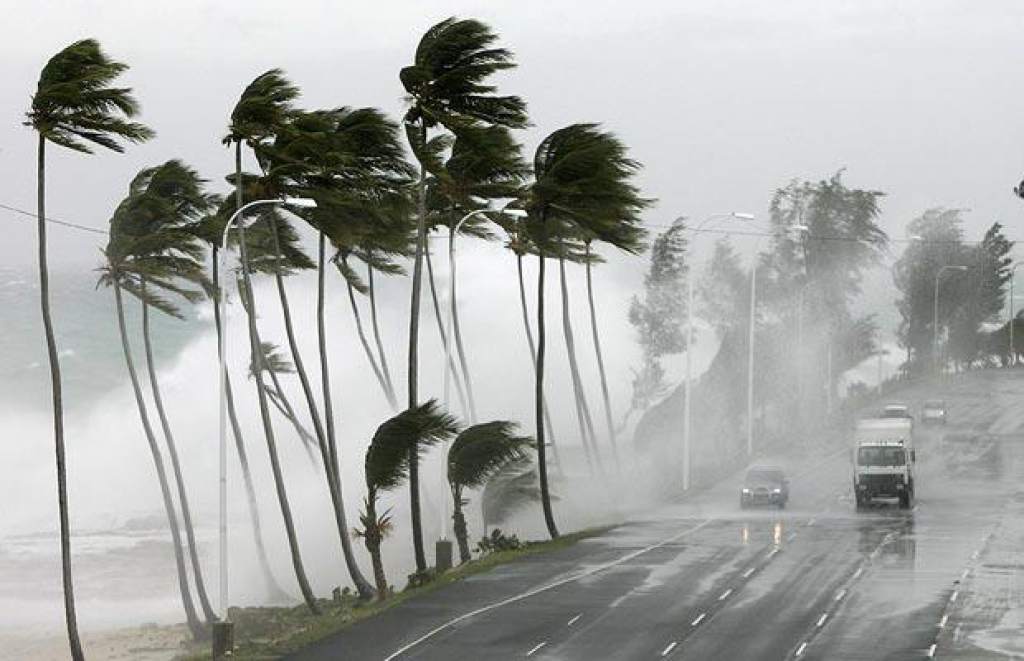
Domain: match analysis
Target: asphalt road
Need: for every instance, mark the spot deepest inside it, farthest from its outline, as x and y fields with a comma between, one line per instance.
x=704, y=580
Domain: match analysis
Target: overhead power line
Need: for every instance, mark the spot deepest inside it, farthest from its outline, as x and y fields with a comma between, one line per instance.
x=63, y=223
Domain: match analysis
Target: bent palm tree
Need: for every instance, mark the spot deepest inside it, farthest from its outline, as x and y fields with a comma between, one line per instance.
x=143, y=249
x=387, y=468
x=479, y=453
x=261, y=111
x=447, y=87
x=581, y=176
x=74, y=107
x=509, y=490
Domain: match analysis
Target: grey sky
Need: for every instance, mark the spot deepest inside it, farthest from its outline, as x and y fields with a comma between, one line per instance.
x=721, y=101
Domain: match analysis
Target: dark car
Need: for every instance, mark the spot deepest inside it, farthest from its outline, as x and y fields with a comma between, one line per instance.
x=764, y=485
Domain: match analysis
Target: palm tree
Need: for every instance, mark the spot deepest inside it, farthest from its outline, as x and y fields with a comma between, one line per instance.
x=387, y=467
x=179, y=190
x=582, y=178
x=479, y=453
x=210, y=230
x=261, y=111
x=146, y=248
x=352, y=161
x=74, y=107
x=518, y=243
x=447, y=87
x=353, y=284
x=274, y=364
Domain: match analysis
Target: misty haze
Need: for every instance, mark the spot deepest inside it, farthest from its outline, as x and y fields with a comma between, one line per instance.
x=564, y=331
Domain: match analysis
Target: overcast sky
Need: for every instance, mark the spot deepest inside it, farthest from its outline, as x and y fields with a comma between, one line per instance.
x=721, y=101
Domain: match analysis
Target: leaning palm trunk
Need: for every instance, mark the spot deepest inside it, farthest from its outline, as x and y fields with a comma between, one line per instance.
x=586, y=423
x=268, y=428
x=384, y=385
x=274, y=590
x=194, y=625
x=179, y=479
x=280, y=401
x=459, y=526
x=542, y=467
x=376, y=336
x=457, y=329
x=600, y=362
x=533, y=358
x=58, y=411
x=362, y=585
x=463, y=394
x=413, y=362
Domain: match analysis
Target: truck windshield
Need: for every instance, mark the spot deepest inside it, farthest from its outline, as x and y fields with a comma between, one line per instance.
x=882, y=456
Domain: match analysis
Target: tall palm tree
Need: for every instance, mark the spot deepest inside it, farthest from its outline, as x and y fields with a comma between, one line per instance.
x=479, y=453
x=177, y=189
x=387, y=468
x=582, y=178
x=210, y=230
x=273, y=365
x=447, y=87
x=353, y=284
x=146, y=248
x=263, y=108
x=75, y=107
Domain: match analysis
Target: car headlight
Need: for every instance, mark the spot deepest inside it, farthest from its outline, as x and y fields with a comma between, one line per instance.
x=746, y=490
x=776, y=490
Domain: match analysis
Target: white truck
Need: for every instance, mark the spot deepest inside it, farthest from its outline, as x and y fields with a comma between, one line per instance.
x=883, y=460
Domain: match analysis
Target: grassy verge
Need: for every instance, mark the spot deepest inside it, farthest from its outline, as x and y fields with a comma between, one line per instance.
x=271, y=632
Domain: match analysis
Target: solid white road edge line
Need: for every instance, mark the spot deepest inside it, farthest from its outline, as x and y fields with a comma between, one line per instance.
x=525, y=595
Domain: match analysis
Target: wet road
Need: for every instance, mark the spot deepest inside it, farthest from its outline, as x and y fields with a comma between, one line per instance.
x=705, y=580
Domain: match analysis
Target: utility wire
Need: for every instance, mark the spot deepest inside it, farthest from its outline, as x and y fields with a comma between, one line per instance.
x=63, y=223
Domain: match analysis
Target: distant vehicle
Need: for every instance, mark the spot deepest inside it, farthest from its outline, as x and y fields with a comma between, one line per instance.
x=933, y=412
x=884, y=459
x=764, y=485
x=896, y=411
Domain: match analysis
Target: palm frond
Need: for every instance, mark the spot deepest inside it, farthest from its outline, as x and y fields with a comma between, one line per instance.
x=412, y=430
x=482, y=450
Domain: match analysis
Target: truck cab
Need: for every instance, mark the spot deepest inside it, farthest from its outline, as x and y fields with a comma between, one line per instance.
x=883, y=461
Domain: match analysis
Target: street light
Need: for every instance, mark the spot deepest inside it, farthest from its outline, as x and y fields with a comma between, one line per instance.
x=687, y=427
x=1012, y=315
x=300, y=202
x=443, y=546
x=935, y=319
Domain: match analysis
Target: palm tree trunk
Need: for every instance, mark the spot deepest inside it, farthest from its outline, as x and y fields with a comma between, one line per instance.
x=459, y=391
x=274, y=590
x=70, y=618
x=268, y=427
x=413, y=368
x=457, y=332
x=337, y=495
x=533, y=358
x=384, y=385
x=460, y=527
x=281, y=402
x=179, y=479
x=586, y=423
x=600, y=363
x=194, y=625
x=542, y=466
x=373, y=537
x=376, y=337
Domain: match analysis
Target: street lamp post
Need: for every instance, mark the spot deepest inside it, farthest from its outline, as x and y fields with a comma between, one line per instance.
x=223, y=401
x=1012, y=315
x=443, y=547
x=687, y=427
x=935, y=318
